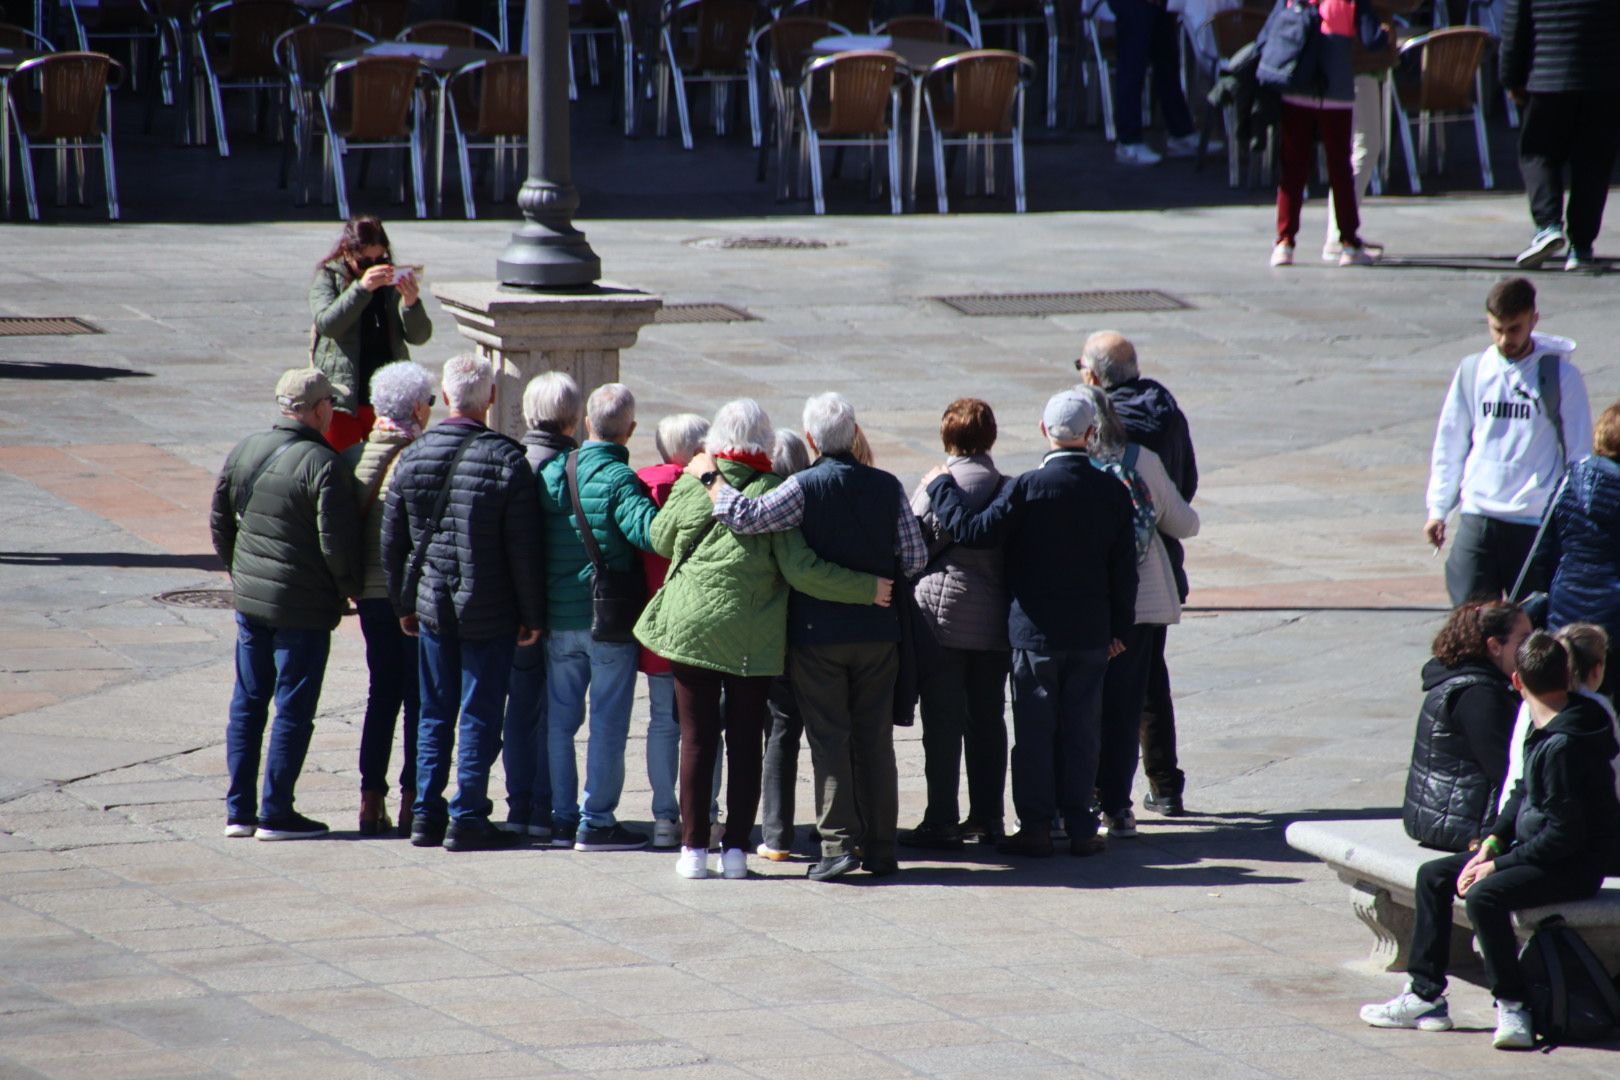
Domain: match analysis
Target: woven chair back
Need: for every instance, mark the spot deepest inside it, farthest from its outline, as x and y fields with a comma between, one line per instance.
x=306, y=50
x=379, y=90
x=382, y=19
x=974, y=93
x=503, y=99
x=712, y=35
x=918, y=28
x=457, y=35
x=849, y=94
x=71, y=90
x=791, y=39
x=855, y=14
x=16, y=37
x=1447, y=63
x=251, y=29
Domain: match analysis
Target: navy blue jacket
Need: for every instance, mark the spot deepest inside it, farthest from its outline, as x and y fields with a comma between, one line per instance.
x=1561, y=46
x=1070, y=550
x=850, y=518
x=1154, y=420
x=1580, y=553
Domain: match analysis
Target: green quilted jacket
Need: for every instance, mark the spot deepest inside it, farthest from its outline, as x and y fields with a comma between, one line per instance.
x=724, y=606
x=619, y=512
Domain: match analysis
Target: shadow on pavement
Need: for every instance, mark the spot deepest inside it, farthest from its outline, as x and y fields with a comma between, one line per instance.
x=58, y=371
x=124, y=560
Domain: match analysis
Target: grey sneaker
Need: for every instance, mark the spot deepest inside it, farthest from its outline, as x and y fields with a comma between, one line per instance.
x=1407, y=1010
x=1546, y=243
x=1121, y=825
x=1514, y=1030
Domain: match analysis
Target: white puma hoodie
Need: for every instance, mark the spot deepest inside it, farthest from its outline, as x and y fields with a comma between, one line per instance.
x=1498, y=454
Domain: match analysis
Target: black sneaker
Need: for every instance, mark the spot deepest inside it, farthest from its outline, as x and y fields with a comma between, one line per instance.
x=1168, y=805
x=563, y=838
x=480, y=836
x=425, y=833
x=931, y=837
x=291, y=827
x=613, y=838
x=832, y=866
x=881, y=867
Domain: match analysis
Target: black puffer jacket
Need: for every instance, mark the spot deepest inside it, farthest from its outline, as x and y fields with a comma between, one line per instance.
x=295, y=553
x=482, y=575
x=1564, y=811
x=1561, y=46
x=1460, y=754
x=1153, y=419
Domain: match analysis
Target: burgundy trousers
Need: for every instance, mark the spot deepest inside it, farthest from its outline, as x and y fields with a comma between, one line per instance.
x=1302, y=126
x=698, y=706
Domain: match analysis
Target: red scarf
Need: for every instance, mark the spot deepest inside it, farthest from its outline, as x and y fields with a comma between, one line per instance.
x=752, y=458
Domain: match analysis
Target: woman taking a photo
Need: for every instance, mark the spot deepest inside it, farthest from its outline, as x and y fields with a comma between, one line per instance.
x=721, y=621
x=366, y=311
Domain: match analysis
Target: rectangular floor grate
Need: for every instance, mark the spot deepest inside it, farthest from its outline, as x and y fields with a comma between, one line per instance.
x=1069, y=303
x=703, y=313
x=49, y=326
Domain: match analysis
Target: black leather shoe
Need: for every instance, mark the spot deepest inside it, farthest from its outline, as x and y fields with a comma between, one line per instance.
x=1168, y=805
x=1030, y=842
x=481, y=836
x=929, y=837
x=880, y=867
x=426, y=834
x=1082, y=846
x=832, y=866
x=980, y=832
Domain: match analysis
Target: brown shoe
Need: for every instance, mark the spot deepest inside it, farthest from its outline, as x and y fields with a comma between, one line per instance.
x=1032, y=841
x=1082, y=846
x=374, y=814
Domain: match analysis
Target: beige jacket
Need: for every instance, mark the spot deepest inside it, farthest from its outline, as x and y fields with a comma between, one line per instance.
x=1157, y=601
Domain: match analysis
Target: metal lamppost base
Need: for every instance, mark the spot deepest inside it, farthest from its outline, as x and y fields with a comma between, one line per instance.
x=542, y=257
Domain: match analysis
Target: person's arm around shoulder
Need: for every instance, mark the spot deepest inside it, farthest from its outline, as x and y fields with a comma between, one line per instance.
x=633, y=509
x=520, y=531
x=687, y=503
x=981, y=530
x=1176, y=517
x=778, y=509
x=337, y=520
x=1453, y=439
x=336, y=307
x=814, y=576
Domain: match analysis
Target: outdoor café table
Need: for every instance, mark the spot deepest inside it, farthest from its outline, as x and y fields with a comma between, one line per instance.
x=10, y=60
x=916, y=58
x=440, y=62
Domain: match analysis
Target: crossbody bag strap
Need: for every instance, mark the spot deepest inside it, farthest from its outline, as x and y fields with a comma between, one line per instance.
x=430, y=527
x=245, y=496
x=374, y=488
x=691, y=549
x=1551, y=391
x=586, y=537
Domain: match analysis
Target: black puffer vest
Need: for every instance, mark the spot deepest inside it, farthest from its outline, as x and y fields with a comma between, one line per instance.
x=1450, y=801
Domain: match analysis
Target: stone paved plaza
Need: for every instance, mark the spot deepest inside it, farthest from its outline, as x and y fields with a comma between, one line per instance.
x=136, y=942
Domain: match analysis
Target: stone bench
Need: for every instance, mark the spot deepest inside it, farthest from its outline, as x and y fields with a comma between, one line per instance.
x=1380, y=863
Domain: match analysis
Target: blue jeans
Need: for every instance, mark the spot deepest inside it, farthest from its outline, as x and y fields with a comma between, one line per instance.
x=391, y=662
x=576, y=663
x=663, y=747
x=465, y=680
x=288, y=666
x=524, y=753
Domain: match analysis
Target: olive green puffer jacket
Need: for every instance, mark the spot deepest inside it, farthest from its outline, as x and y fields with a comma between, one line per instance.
x=295, y=553
x=618, y=510
x=724, y=606
x=336, y=302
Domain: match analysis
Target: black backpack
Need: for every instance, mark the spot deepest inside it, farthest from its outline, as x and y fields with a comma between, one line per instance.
x=1572, y=998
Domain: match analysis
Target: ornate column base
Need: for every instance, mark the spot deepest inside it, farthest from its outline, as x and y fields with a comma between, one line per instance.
x=524, y=333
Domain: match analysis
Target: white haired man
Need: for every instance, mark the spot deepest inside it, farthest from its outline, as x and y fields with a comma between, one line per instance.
x=843, y=658
x=461, y=542
x=617, y=511
x=284, y=524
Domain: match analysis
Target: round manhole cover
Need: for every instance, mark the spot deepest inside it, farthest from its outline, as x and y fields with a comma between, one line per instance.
x=197, y=598
x=762, y=243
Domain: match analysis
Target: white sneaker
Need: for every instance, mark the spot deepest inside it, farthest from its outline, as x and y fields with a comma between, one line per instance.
x=238, y=830
x=666, y=834
x=692, y=863
x=1356, y=256
x=733, y=863
x=1407, y=1010
x=1186, y=146
x=1121, y=825
x=1331, y=251
x=1543, y=246
x=765, y=851
x=1282, y=254
x=1135, y=154
x=1513, y=1028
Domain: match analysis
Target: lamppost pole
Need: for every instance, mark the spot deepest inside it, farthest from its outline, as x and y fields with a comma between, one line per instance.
x=546, y=251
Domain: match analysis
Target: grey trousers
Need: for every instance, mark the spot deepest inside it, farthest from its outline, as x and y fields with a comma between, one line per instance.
x=780, y=778
x=1486, y=556
x=846, y=696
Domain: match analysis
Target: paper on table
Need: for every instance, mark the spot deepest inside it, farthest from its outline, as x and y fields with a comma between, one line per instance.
x=851, y=42
x=407, y=48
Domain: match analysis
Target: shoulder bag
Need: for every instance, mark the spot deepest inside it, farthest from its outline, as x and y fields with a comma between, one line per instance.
x=617, y=597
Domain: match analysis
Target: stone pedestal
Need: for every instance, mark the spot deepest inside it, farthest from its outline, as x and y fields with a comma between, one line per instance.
x=524, y=333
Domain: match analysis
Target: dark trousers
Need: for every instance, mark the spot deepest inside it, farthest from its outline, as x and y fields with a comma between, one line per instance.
x=1147, y=36
x=285, y=666
x=463, y=707
x=1159, y=762
x=1568, y=141
x=1301, y=128
x=1490, y=905
x=963, y=699
x=1486, y=557
x=391, y=664
x=1057, y=728
x=703, y=718
x=846, y=696
x=525, y=750
x=1124, y=690
x=780, y=780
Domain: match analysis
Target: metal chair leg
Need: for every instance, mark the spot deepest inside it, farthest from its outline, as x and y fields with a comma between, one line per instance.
x=812, y=147
x=27, y=165
x=1020, y=204
x=1484, y=147
x=466, y=173
x=681, y=113
x=754, y=111
x=1406, y=146
x=339, y=181
x=941, y=198
x=110, y=172
x=416, y=173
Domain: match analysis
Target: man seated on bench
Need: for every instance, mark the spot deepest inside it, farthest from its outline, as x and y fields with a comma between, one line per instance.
x=1550, y=845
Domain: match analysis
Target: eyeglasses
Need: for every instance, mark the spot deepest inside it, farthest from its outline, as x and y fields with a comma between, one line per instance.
x=1080, y=365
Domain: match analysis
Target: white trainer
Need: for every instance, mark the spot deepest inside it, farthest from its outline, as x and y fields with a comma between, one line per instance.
x=1282, y=254
x=666, y=834
x=237, y=830
x=1120, y=825
x=1135, y=154
x=1186, y=146
x=733, y=864
x=1407, y=1010
x=692, y=863
x=1514, y=1031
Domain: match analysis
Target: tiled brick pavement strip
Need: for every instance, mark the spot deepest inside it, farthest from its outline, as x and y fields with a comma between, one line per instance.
x=135, y=941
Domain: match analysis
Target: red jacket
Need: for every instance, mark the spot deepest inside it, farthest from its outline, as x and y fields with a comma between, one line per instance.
x=660, y=479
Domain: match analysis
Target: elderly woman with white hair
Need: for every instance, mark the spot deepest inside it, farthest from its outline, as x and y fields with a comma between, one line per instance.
x=402, y=394
x=721, y=619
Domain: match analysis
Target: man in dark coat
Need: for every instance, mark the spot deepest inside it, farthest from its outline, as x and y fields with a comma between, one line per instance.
x=285, y=524
x=1154, y=420
x=461, y=547
x=1559, y=61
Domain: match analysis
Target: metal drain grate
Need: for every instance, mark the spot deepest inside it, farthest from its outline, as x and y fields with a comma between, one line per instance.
x=703, y=313
x=762, y=243
x=47, y=326
x=1069, y=303
x=196, y=598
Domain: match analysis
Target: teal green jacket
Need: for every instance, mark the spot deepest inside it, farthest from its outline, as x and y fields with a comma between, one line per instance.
x=724, y=605
x=619, y=512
